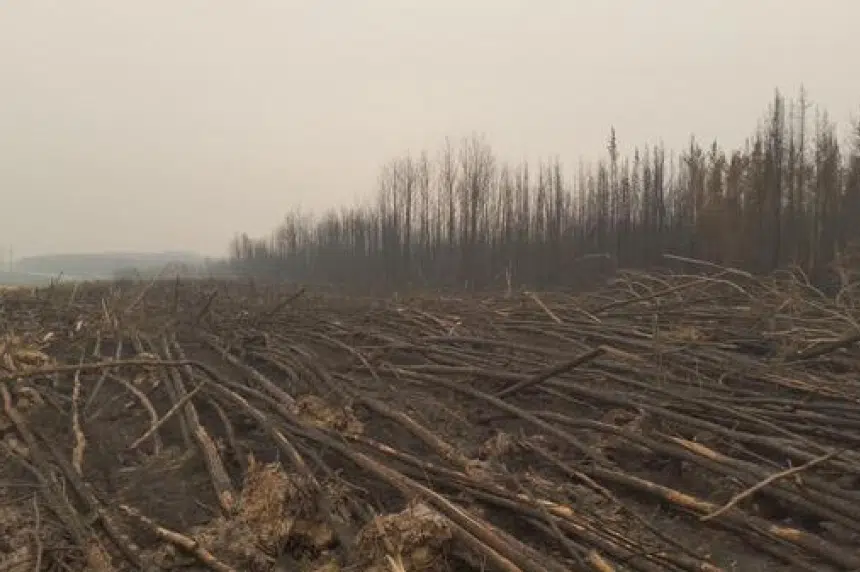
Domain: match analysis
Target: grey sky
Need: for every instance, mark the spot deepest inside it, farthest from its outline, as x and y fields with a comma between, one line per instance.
x=172, y=124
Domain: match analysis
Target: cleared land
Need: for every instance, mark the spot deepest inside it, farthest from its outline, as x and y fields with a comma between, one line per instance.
x=663, y=423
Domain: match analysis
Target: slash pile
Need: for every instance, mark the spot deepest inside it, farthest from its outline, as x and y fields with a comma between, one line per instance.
x=665, y=422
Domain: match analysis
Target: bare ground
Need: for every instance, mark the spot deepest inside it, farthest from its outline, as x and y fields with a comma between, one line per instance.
x=661, y=423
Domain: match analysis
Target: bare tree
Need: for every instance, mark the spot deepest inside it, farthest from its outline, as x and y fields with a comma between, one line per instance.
x=470, y=219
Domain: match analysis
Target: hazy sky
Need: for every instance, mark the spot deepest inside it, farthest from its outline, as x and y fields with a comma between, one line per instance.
x=173, y=124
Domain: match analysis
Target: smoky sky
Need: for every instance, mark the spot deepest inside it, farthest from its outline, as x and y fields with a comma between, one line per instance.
x=173, y=124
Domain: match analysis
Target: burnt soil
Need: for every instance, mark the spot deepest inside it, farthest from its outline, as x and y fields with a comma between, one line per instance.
x=663, y=422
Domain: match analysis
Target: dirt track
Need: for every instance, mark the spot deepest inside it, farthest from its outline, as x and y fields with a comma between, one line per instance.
x=664, y=423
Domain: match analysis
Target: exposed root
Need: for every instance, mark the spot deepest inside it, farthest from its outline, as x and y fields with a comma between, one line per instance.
x=315, y=411
x=276, y=512
x=414, y=540
x=20, y=353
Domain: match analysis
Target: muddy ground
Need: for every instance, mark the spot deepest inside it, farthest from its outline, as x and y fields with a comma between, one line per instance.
x=681, y=422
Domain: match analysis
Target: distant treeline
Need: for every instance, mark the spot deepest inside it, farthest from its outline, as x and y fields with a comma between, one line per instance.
x=207, y=268
x=790, y=196
x=103, y=265
x=22, y=279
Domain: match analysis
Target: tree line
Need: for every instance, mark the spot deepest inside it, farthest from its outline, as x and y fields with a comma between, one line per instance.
x=465, y=219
